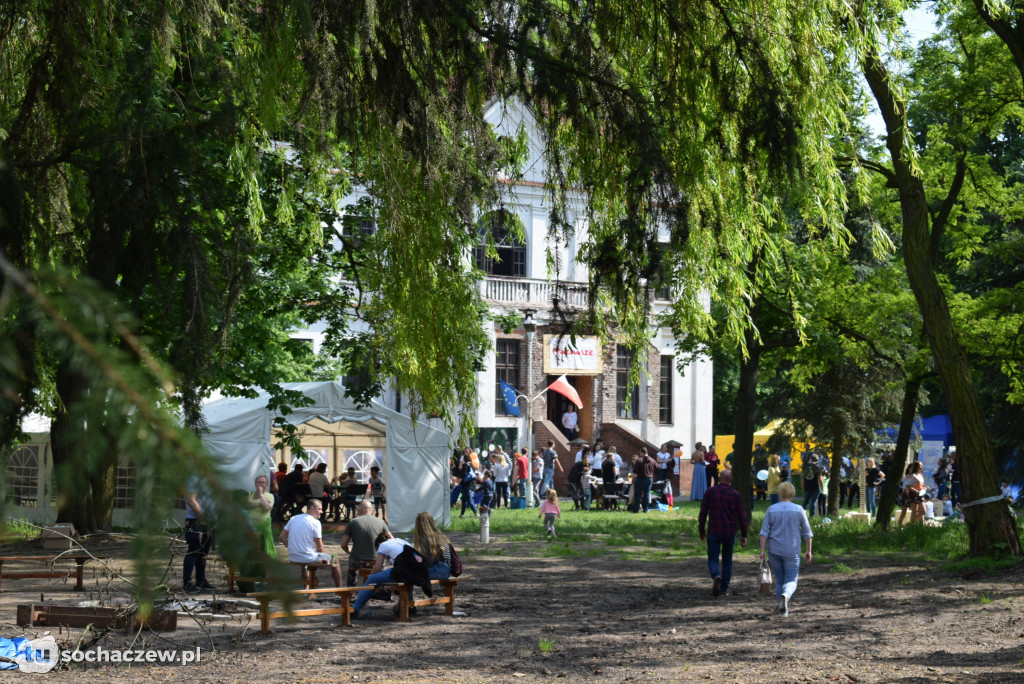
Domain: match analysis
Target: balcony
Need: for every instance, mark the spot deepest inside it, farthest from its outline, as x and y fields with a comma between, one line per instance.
x=531, y=292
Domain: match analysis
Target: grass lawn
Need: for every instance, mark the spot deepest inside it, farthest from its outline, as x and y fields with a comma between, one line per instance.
x=673, y=535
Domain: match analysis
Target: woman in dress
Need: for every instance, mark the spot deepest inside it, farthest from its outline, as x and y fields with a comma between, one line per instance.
x=258, y=506
x=774, y=479
x=913, y=493
x=700, y=482
x=785, y=523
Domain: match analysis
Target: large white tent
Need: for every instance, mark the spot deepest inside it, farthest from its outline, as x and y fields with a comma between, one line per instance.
x=415, y=455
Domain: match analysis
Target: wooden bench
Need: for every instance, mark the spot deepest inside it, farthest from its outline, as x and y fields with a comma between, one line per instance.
x=306, y=568
x=405, y=602
x=80, y=560
x=344, y=609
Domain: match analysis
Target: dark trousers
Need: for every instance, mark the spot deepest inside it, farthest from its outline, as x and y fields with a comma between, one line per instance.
x=712, y=476
x=642, y=498
x=200, y=540
x=721, y=547
x=501, y=491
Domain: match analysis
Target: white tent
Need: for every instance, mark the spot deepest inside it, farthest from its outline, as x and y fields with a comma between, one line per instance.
x=415, y=455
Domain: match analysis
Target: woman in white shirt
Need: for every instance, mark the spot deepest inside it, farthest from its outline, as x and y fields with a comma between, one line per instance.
x=502, y=470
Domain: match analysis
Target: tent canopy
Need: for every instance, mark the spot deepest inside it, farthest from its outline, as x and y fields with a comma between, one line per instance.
x=415, y=455
x=937, y=428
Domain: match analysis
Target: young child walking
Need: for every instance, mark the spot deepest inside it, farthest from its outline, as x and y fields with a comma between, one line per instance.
x=550, y=510
x=378, y=490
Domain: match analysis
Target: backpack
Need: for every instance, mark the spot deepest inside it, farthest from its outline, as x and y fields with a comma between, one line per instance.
x=456, y=562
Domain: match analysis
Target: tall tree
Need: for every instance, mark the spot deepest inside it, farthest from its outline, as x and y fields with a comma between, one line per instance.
x=990, y=523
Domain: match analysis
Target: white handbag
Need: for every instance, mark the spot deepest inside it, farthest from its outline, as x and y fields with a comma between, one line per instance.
x=764, y=578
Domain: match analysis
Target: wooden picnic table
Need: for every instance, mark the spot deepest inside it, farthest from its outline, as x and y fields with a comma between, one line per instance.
x=80, y=561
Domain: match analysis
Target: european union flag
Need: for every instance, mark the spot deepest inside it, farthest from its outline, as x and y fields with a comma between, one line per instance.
x=508, y=397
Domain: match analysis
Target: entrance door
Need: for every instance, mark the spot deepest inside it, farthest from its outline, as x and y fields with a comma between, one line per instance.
x=557, y=404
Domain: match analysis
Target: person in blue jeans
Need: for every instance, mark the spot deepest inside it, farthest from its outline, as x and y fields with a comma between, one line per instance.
x=387, y=551
x=722, y=517
x=784, y=525
x=435, y=547
x=550, y=458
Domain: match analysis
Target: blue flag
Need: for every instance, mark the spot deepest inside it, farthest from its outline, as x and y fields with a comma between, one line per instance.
x=508, y=397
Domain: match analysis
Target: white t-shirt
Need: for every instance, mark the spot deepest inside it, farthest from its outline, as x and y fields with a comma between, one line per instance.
x=663, y=456
x=303, y=531
x=390, y=548
x=618, y=462
x=570, y=420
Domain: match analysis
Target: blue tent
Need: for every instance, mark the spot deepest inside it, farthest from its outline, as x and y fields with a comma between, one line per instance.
x=936, y=428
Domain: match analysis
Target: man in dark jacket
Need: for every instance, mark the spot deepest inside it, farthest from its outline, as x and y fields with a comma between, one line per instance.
x=643, y=471
x=723, y=513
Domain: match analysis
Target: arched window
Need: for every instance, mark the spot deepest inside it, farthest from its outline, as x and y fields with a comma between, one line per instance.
x=505, y=231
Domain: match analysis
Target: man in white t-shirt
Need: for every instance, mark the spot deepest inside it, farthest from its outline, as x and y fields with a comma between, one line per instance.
x=387, y=551
x=303, y=536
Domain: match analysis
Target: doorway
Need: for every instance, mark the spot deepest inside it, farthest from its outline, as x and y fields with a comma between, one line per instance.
x=557, y=404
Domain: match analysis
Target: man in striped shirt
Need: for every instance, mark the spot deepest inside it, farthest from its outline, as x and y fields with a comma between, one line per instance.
x=722, y=512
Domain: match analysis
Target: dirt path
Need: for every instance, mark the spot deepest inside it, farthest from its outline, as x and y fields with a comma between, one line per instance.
x=537, y=612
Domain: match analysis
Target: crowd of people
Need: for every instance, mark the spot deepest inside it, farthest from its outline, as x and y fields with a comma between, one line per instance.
x=597, y=471
x=367, y=541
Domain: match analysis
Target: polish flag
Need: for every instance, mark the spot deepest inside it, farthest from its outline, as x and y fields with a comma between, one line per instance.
x=562, y=386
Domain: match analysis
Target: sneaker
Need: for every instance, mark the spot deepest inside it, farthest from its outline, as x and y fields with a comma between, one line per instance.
x=191, y=588
x=362, y=615
x=206, y=586
x=784, y=606
x=716, y=588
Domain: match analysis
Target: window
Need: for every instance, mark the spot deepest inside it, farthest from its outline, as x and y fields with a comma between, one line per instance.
x=506, y=367
x=23, y=477
x=124, y=486
x=627, y=401
x=506, y=231
x=665, y=393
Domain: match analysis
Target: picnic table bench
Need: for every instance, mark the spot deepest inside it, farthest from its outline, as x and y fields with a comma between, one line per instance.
x=344, y=609
x=80, y=560
x=308, y=569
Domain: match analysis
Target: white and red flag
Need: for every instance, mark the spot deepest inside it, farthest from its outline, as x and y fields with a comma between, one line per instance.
x=562, y=386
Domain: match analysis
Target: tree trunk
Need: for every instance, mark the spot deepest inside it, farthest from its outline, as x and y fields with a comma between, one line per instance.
x=911, y=390
x=746, y=407
x=990, y=526
x=67, y=442
x=838, y=436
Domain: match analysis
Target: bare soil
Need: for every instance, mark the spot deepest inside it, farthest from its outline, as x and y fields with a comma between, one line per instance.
x=596, y=617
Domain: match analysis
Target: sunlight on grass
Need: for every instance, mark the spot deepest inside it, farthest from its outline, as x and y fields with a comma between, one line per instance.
x=546, y=645
x=676, y=532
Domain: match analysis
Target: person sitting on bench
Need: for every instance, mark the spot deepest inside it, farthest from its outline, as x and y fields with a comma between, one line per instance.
x=303, y=536
x=387, y=551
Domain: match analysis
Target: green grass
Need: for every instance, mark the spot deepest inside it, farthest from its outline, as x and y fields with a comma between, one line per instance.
x=985, y=600
x=546, y=645
x=649, y=536
x=13, y=531
x=986, y=564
